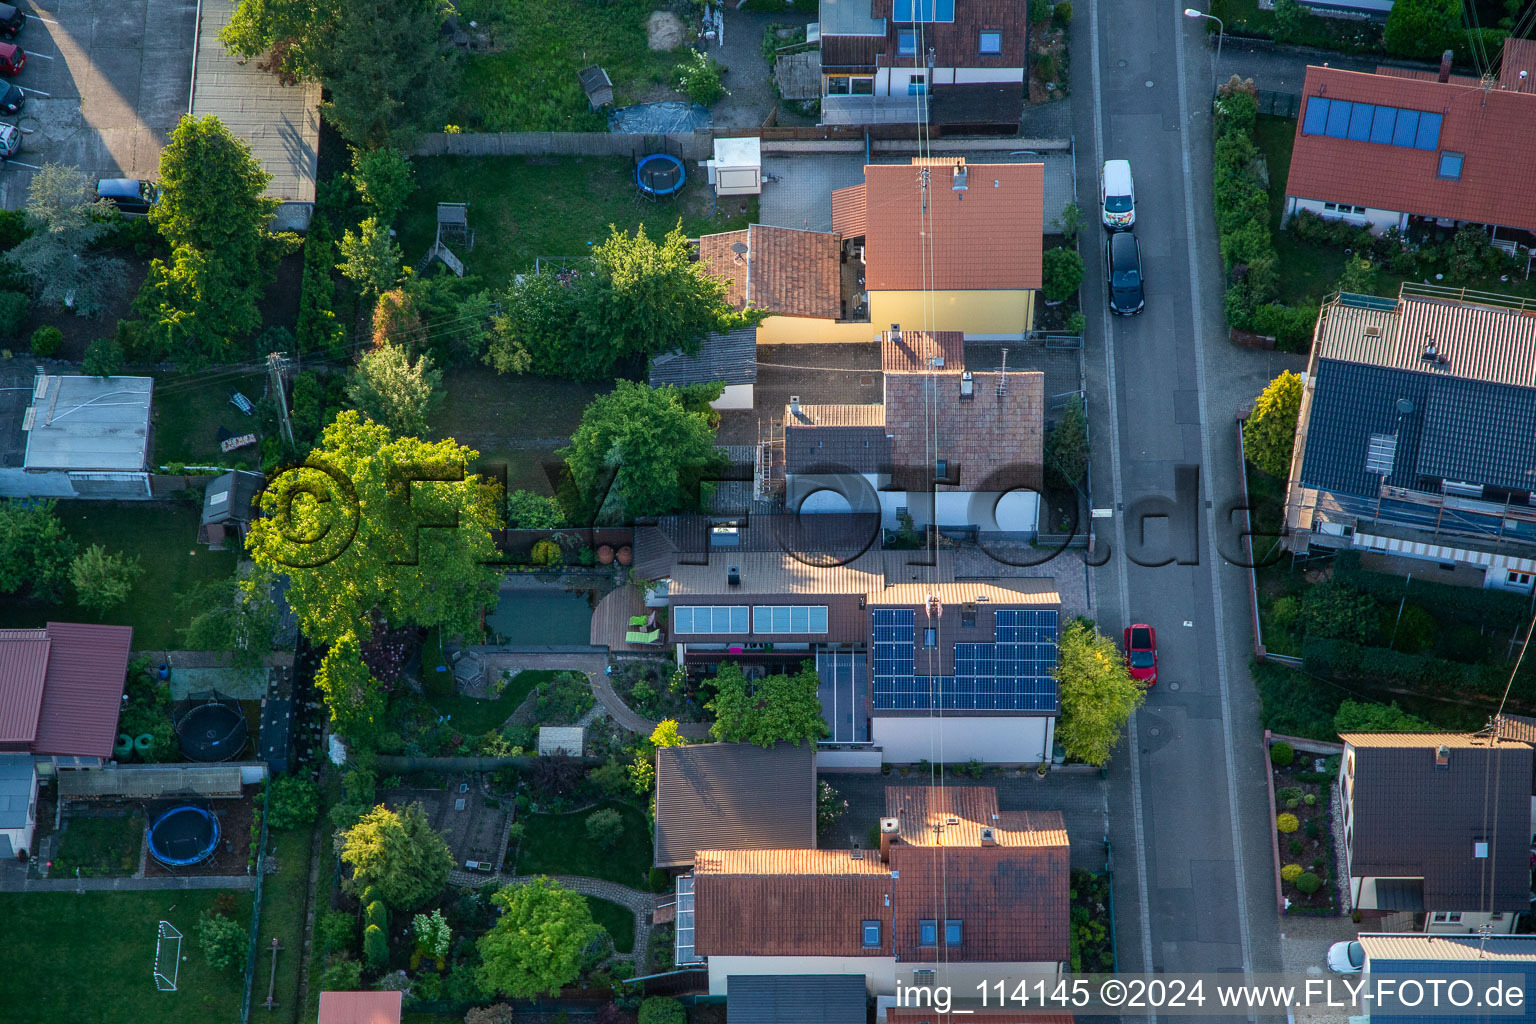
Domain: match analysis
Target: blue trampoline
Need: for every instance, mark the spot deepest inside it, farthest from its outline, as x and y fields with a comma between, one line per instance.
x=660, y=174
x=183, y=836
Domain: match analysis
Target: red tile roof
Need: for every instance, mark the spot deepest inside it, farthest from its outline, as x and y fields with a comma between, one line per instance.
x=360, y=1007
x=82, y=687
x=990, y=442
x=783, y=270
x=955, y=815
x=23, y=664
x=848, y=208
x=987, y=237
x=1519, y=56
x=1493, y=130
x=910, y=351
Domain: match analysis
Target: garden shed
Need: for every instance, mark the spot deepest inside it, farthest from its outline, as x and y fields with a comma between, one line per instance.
x=596, y=84
x=561, y=739
x=737, y=167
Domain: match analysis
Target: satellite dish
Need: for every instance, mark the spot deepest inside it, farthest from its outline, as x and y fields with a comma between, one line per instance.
x=740, y=248
x=1404, y=406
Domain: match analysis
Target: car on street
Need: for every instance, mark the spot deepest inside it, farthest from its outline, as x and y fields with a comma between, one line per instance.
x=12, y=99
x=1122, y=258
x=1346, y=957
x=11, y=21
x=131, y=196
x=1141, y=653
x=1117, y=195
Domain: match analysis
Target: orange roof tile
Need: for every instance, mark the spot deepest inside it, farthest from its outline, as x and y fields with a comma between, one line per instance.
x=848, y=211
x=987, y=237
x=954, y=816
x=1492, y=129
x=783, y=270
x=1519, y=56
x=990, y=442
x=360, y=1007
x=910, y=351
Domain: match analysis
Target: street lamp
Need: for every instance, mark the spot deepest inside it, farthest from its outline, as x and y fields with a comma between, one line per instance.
x=1221, y=30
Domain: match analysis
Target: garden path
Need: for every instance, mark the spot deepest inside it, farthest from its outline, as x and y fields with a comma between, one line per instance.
x=627, y=717
x=641, y=904
x=9, y=883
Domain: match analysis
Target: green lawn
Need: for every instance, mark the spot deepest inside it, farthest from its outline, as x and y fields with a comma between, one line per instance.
x=530, y=84
x=473, y=715
x=500, y=416
x=99, y=847
x=282, y=917
x=557, y=844
x=190, y=409
x=88, y=958
x=163, y=535
x=618, y=921
x=520, y=209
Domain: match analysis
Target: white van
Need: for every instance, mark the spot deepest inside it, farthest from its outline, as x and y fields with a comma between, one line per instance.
x=1117, y=195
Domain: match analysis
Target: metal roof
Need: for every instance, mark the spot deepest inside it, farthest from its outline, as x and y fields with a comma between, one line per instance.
x=795, y=999
x=849, y=18
x=152, y=781
x=727, y=356
x=281, y=123
x=15, y=790
x=230, y=496
x=1477, y=341
x=1465, y=948
x=83, y=690
x=88, y=423
x=23, y=666
x=733, y=796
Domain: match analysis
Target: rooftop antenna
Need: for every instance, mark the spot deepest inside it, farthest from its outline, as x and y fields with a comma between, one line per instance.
x=1002, y=379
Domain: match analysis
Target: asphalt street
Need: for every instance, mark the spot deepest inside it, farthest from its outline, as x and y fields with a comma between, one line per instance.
x=1189, y=817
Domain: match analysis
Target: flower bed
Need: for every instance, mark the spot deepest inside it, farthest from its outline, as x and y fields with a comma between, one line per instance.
x=1304, y=829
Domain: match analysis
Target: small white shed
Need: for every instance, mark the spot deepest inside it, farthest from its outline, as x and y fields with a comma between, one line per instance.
x=561, y=739
x=737, y=169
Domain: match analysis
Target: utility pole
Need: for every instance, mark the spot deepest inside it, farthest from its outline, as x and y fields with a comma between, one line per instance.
x=275, y=363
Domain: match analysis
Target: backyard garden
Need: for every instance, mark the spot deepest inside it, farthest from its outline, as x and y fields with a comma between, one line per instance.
x=1048, y=54
x=1304, y=829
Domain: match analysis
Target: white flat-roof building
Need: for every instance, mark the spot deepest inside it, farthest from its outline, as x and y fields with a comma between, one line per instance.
x=86, y=437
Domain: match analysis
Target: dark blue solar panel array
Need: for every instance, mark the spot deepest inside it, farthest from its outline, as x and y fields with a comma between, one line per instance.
x=1366, y=122
x=1013, y=674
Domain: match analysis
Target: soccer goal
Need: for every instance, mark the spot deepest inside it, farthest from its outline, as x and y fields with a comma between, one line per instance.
x=167, y=957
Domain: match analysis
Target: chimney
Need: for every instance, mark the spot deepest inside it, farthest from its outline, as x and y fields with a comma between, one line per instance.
x=988, y=836
x=967, y=387
x=794, y=405
x=960, y=174
x=1443, y=756
x=1445, y=65
x=896, y=334
x=733, y=576
x=1430, y=355
x=889, y=827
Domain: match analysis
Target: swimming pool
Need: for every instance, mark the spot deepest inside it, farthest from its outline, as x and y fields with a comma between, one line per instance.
x=560, y=618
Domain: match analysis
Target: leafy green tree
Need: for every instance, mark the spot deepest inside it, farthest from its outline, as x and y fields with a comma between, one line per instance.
x=529, y=511
x=1359, y=276
x=103, y=358
x=317, y=327
x=35, y=550
x=292, y=802
x=1062, y=274
x=384, y=181
x=56, y=256
x=395, y=320
x=1269, y=432
x=223, y=941
x=605, y=828
x=1360, y=716
x=389, y=388
x=356, y=700
x=398, y=854
x=103, y=581
x=1422, y=29
x=1291, y=21
x=375, y=946
x=369, y=258
x=337, y=930
x=776, y=708
x=1098, y=695
x=341, y=580
x=235, y=614
x=539, y=942
x=342, y=974
x=433, y=935
x=641, y=451
x=1066, y=448
x=642, y=771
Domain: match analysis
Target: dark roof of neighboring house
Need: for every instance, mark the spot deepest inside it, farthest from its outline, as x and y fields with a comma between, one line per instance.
x=1450, y=807
x=727, y=356
x=795, y=999
x=688, y=539
x=990, y=442
x=16, y=773
x=1491, y=128
x=783, y=270
x=70, y=708
x=733, y=796
x=955, y=43
x=1464, y=430
x=835, y=449
x=230, y=497
x=988, y=240
x=976, y=103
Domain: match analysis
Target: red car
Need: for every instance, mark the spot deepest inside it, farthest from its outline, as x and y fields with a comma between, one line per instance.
x=12, y=59
x=1141, y=653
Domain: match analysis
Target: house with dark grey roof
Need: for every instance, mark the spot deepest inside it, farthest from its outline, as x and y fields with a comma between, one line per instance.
x=1428, y=957
x=1414, y=438
x=733, y=796
x=1437, y=825
x=954, y=881
x=796, y=999
x=229, y=505
x=726, y=357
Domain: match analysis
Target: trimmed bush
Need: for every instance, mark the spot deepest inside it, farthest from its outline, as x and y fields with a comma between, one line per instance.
x=662, y=1010
x=46, y=340
x=1310, y=799
x=1290, y=872
x=545, y=552
x=1287, y=823
x=1309, y=883
x=1281, y=754
x=605, y=827
x=1062, y=13
x=1062, y=274
x=375, y=946
x=1285, y=794
x=1296, y=846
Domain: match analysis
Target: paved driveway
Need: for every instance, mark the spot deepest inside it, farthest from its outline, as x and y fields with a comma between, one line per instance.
x=107, y=80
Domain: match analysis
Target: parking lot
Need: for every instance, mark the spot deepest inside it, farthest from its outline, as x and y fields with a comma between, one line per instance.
x=106, y=82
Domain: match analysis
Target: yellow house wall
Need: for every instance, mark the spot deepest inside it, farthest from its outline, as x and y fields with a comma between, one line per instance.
x=805, y=330
x=973, y=312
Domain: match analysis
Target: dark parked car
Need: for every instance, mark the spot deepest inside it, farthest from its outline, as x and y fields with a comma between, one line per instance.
x=130, y=195
x=11, y=21
x=1123, y=268
x=12, y=99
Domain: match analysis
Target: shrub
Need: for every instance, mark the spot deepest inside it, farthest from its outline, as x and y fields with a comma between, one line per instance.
x=1066, y=448
x=1062, y=13
x=1045, y=67
x=337, y=931
x=545, y=552
x=662, y=1010
x=1281, y=754
x=660, y=880
x=375, y=946
x=1310, y=799
x=1291, y=805
x=103, y=358
x=1296, y=846
x=1287, y=823
x=1313, y=830
x=1062, y=274
x=1287, y=793
x=605, y=827
x=341, y=974
x=1040, y=11
x=1077, y=323
x=496, y=1013
x=1290, y=872
x=292, y=802
x=317, y=327
x=1412, y=632
x=46, y=340
x=1309, y=883
x=1336, y=611
x=13, y=310
x=699, y=77
x=223, y=940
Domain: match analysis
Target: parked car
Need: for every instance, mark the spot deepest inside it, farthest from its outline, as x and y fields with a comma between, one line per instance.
x=1123, y=270
x=10, y=141
x=1141, y=653
x=11, y=21
x=1346, y=957
x=12, y=59
x=12, y=98
x=1117, y=195
x=130, y=195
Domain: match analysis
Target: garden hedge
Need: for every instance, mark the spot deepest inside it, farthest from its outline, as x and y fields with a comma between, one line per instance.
x=1496, y=608
x=1432, y=675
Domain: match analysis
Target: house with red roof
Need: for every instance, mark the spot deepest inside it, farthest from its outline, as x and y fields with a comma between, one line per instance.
x=360, y=1007
x=1400, y=147
x=61, y=688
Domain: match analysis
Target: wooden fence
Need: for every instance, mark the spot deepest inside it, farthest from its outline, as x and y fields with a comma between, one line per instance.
x=687, y=146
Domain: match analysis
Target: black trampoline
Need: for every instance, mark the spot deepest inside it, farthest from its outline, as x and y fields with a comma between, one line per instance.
x=212, y=730
x=184, y=836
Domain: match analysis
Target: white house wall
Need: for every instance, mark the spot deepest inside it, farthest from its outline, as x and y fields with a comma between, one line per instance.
x=1377, y=220
x=965, y=76
x=990, y=740
x=879, y=971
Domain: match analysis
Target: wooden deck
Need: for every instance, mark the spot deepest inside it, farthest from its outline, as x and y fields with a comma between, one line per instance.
x=610, y=621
